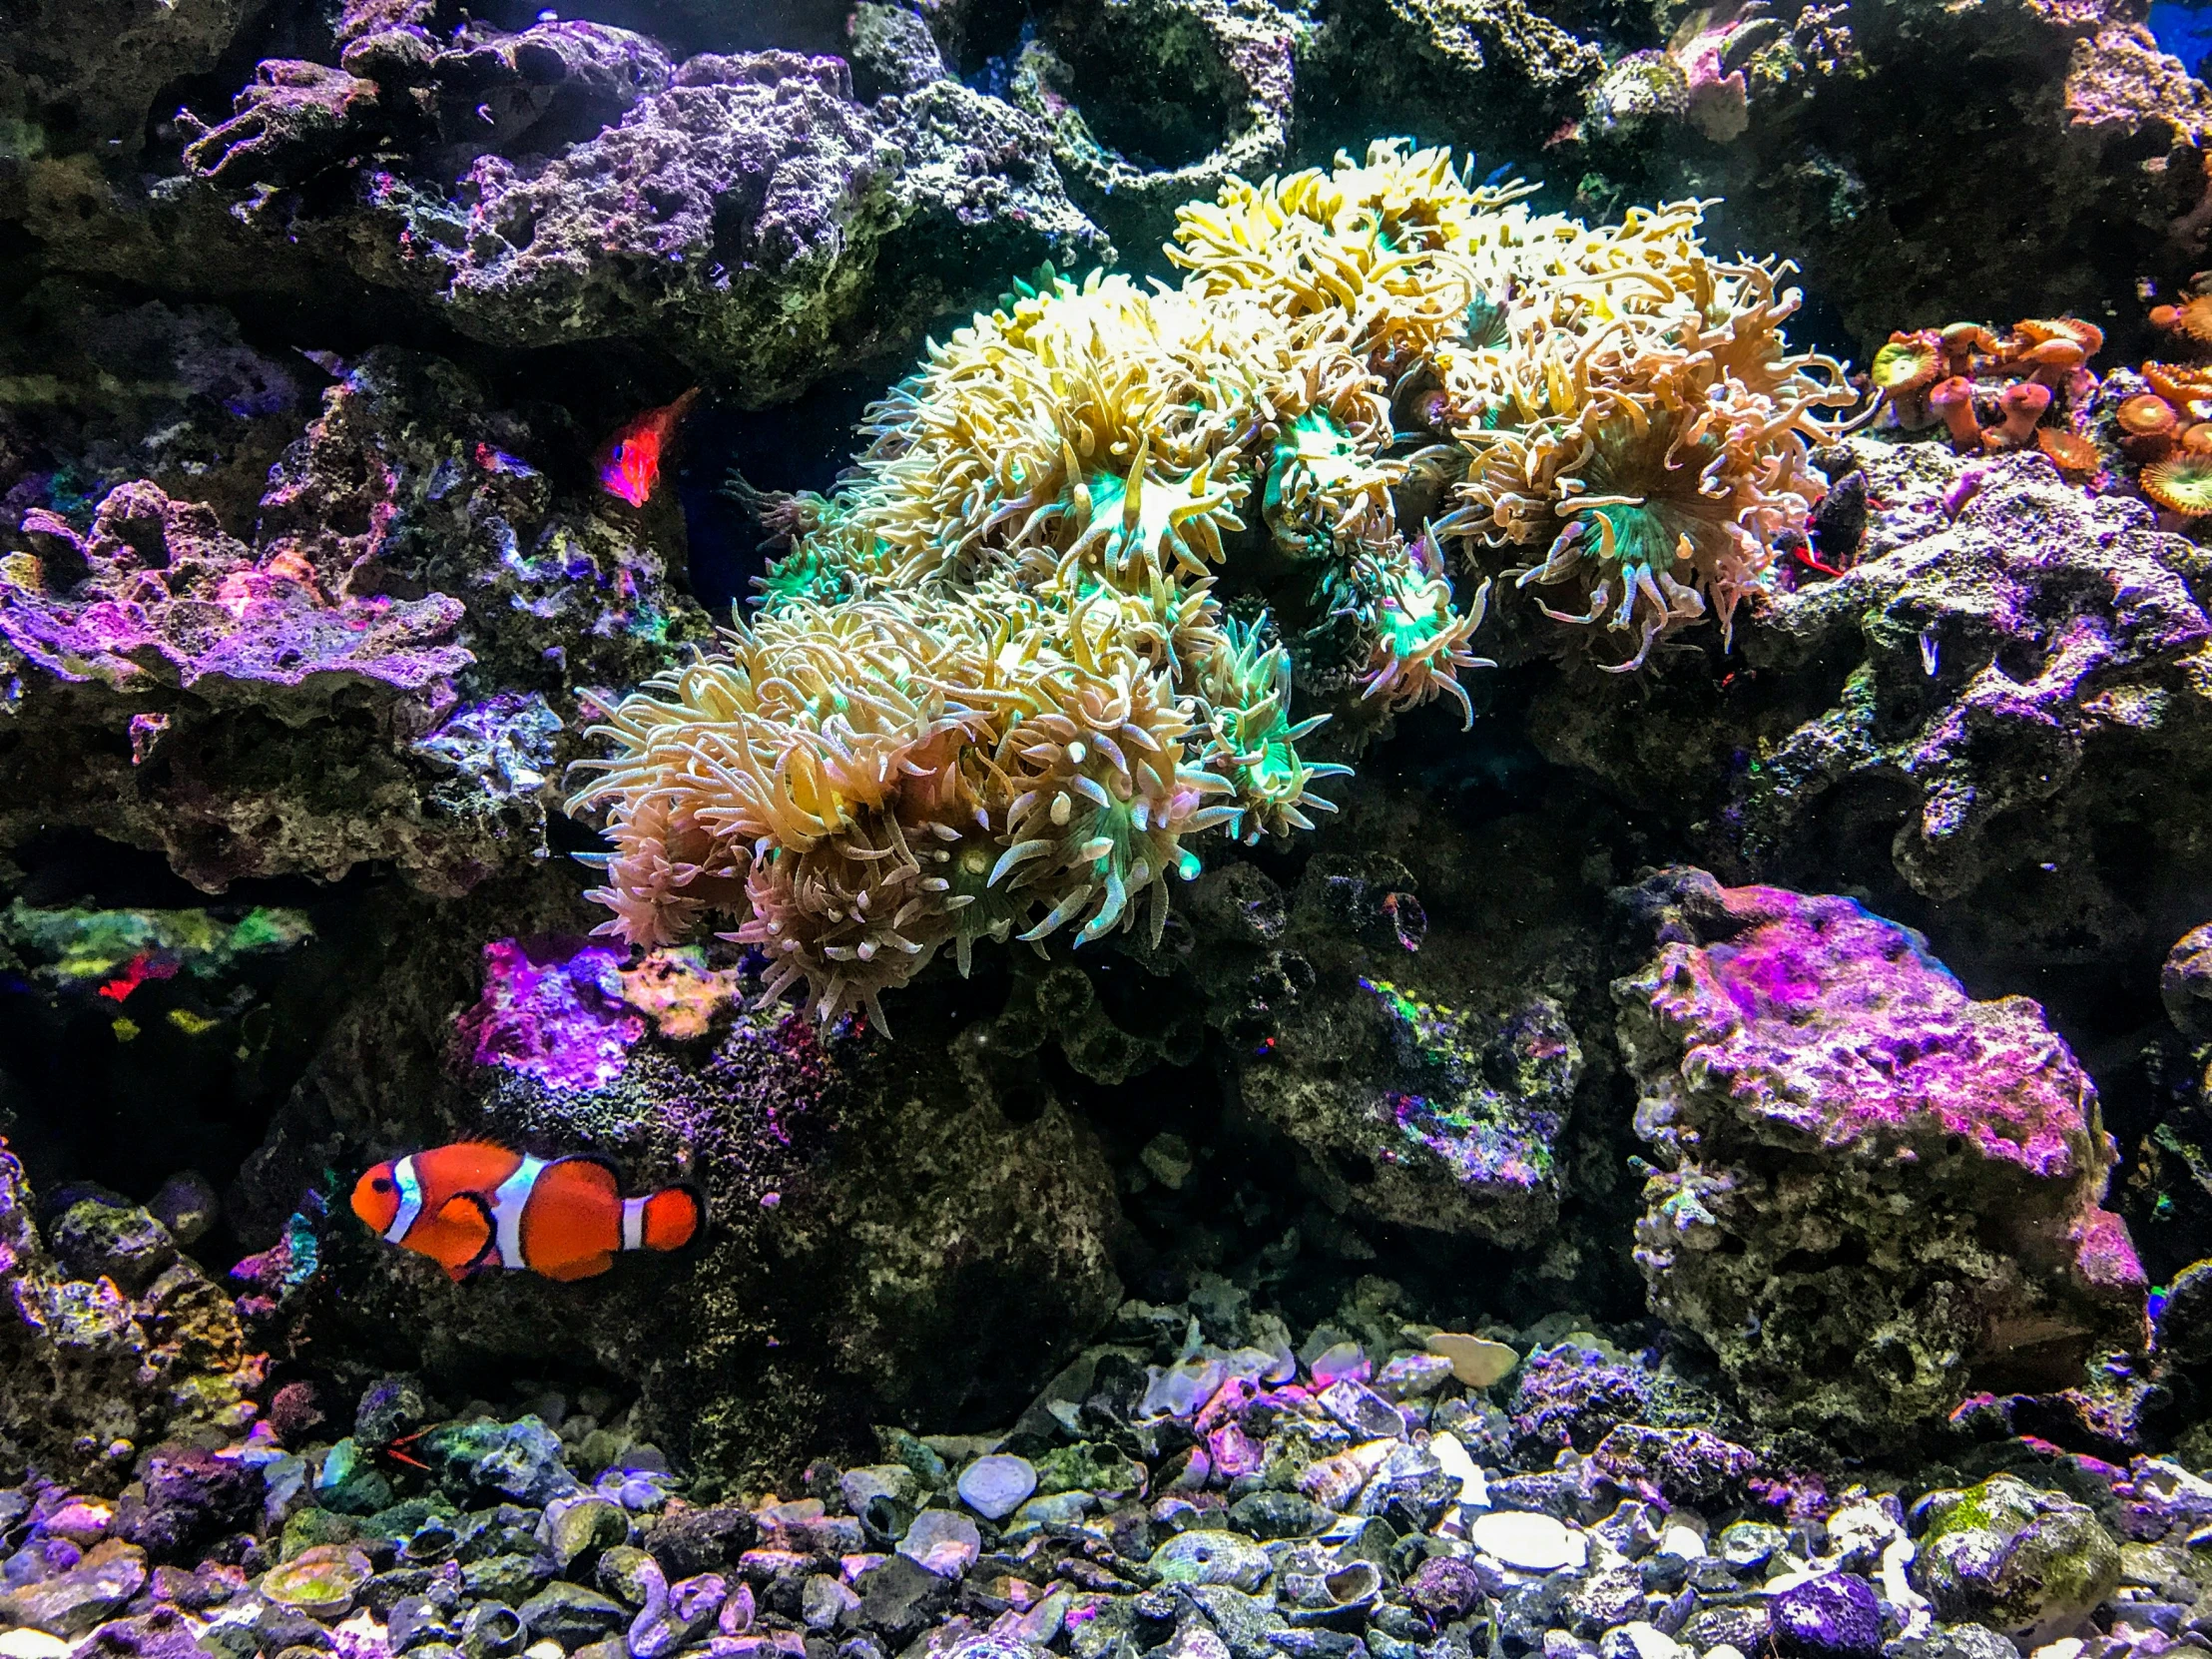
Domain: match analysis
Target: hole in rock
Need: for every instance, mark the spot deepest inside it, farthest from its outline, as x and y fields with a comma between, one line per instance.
x=2021, y=660
x=1149, y=82
x=1890, y=1359
x=1851, y=1252
x=138, y=1045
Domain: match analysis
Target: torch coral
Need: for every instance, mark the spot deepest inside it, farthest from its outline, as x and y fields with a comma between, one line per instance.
x=994, y=688
x=1649, y=419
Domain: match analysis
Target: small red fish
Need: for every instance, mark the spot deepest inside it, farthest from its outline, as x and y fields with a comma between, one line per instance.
x=632, y=469
x=140, y=969
x=472, y=1206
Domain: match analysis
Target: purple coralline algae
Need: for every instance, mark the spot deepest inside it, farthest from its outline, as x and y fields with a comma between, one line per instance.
x=1573, y=1396
x=1682, y=1465
x=570, y=183
x=1570, y=1395
x=1875, y=1192
x=154, y=592
x=408, y=564
x=553, y=1010
x=1992, y=698
x=1834, y=1616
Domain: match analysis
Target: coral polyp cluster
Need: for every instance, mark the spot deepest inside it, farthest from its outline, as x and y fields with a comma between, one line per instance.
x=1050, y=626
x=1641, y=416
x=1994, y=390
x=866, y=781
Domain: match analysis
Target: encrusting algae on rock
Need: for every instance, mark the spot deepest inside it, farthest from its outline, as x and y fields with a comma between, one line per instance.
x=1046, y=632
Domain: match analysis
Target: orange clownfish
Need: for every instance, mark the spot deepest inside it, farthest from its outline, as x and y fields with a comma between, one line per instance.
x=473, y=1205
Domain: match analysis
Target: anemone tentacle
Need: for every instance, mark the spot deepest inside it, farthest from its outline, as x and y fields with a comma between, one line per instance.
x=1045, y=637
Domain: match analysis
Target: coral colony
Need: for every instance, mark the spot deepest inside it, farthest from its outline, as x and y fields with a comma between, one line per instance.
x=1600, y=755
x=992, y=689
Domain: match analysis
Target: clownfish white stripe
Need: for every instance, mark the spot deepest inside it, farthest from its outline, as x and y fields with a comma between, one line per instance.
x=508, y=1201
x=476, y=1204
x=410, y=1200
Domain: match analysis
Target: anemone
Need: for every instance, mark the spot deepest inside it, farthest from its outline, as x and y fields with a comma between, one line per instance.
x=1104, y=800
x=1245, y=694
x=1131, y=520
x=1628, y=543
x=1321, y=489
x=1420, y=635
x=993, y=690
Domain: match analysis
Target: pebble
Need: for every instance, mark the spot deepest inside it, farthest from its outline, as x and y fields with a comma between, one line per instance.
x=71, y=1602
x=995, y=1486
x=1056, y=1509
x=1531, y=1542
x=943, y=1540
x=1361, y=1409
x=491, y=1631
x=1412, y=1375
x=862, y=1486
x=1178, y=1390
x=1183, y=1554
x=1269, y=1515
x=1208, y=1556
x=1453, y=1458
x=1833, y=1616
x=1340, y=1362
x=576, y=1527
x=1748, y=1545
x=320, y=1581
x=1639, y=1639
x=824, y=1600
x=1475, y=1361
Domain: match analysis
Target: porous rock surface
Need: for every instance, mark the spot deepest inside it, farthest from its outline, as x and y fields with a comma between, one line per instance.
x=1874, y=1193
x=387, y=672
x=109, y=1342
x=743, y=215
x=882, y=1242
x=1801, y=117
x=1986, y=711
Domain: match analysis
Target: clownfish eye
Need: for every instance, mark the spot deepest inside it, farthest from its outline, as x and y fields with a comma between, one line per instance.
x=382, y=1184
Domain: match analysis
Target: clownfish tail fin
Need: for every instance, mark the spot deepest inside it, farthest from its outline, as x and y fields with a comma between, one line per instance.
x=674, y=1217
